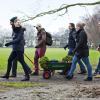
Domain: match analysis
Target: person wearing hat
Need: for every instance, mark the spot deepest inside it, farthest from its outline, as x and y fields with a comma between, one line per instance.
x=40, y=47
x=17, y=43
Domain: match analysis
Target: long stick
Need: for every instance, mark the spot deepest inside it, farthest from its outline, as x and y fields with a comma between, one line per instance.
x=28, y=58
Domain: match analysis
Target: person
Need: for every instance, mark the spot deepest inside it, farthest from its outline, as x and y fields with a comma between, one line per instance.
x=18, y=49
x=14, y=63
x=40, y=47
x=71, y=46
x=81, y=53
x=97, y=70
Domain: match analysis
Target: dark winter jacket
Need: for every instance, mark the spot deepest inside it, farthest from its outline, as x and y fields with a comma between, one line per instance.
x=18, y=41
x=71, y=39
x=81, y=48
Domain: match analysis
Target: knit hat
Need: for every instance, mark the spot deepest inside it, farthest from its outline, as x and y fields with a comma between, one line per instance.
x=13, y=19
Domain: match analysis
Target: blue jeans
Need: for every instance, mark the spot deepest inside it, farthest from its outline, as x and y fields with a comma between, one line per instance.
x=82, y=67
x=98, y=67
x=86, y=62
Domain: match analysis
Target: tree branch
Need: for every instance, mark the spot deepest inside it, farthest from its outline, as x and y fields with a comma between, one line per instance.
x=62, y=7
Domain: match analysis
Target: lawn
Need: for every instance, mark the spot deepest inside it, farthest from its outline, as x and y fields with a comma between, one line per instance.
x=52, y=53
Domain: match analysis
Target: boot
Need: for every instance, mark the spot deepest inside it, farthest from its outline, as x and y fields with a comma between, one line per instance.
x=69, y=77
x=27, y=78
x=5, y=76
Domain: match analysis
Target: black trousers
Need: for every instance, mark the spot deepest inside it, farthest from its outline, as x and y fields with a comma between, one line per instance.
x=20, y=57
x=14, y=67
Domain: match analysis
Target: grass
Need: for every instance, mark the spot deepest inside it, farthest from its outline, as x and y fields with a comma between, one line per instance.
x=52, y=53
x=20, y=85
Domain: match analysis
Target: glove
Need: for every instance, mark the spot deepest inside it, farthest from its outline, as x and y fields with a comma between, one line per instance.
x=7, y=44
x=37, y=46
x=64, y=48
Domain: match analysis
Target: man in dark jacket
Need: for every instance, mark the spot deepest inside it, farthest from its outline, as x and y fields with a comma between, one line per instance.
x=40, y=47
x=71, y=46
x=81, y=52
x=14, y=63
x=18, y=49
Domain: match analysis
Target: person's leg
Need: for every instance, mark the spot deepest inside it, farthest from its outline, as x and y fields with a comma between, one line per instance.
x=24, y=65
x=98, y=67
x=10, y=60
x=89, y=67
x=42, y=52
x=36, y=57
x=82, y=67
x=14, y=68
x=73, y=66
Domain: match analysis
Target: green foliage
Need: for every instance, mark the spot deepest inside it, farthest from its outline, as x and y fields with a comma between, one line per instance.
x=67, y=59
x=43, y=62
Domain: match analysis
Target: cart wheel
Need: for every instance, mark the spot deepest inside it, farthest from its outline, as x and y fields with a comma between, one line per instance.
x=47, y=74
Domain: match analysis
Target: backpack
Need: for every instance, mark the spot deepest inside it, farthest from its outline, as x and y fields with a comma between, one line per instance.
x=49, y=40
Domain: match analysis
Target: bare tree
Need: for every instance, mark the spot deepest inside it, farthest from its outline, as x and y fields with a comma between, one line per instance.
x=61, y=8
x=92, y=28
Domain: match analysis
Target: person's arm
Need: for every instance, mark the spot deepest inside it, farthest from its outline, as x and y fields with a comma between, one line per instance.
x=43, y=32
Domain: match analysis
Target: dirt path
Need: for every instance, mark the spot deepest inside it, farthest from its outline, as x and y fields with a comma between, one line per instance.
x=56, y=88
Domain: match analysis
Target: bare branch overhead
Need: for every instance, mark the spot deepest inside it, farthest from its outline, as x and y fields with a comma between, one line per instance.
x=62, y=7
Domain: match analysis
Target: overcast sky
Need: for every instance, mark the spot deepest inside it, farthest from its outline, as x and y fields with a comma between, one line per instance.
x=10, y=8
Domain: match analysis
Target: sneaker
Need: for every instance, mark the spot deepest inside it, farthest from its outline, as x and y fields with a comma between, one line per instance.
x=69, y=77
x=88, y=79
x=35, y=74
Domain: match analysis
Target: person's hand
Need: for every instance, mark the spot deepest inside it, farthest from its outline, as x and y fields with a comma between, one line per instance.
x=36, y=46
x=64, y=48
x=7, y=44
